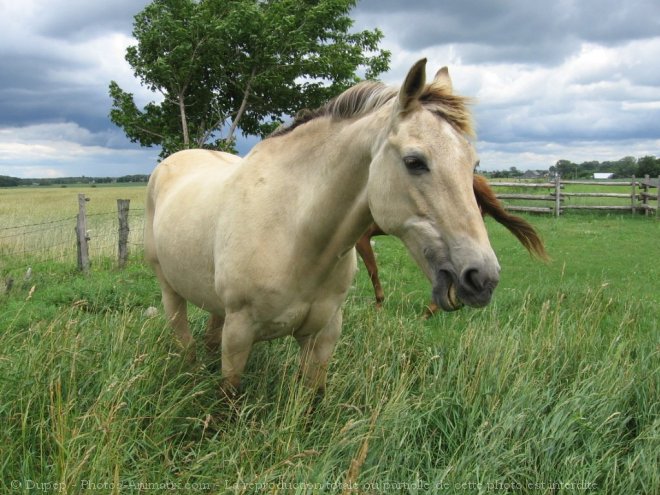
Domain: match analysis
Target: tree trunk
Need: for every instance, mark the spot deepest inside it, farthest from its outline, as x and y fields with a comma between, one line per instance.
x=184, y=121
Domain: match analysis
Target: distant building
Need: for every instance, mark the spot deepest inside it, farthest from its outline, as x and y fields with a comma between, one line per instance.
x=532, y=174
x=603, y=175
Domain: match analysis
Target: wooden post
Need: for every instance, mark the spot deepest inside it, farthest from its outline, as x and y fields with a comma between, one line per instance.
x=122, y=215
x=81, y=235
x=557, y=195
x=645, y=196
x=657, y=197
x=633, y=196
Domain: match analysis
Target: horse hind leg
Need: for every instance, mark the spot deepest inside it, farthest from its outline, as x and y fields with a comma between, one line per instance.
x=176, y=311
x=213, y=336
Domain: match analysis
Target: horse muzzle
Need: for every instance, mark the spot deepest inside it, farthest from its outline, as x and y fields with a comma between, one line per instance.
x=473, y=287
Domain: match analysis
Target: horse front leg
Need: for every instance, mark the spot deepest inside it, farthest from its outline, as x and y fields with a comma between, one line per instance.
x=316, y=351
x=237, y=339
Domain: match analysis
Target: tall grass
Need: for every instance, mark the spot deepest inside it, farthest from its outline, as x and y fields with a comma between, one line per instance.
x=552, y=388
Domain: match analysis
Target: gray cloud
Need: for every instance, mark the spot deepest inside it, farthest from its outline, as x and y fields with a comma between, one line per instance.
x=46, y=69
x=82, y=19
x=553, y=80
x=513, y=30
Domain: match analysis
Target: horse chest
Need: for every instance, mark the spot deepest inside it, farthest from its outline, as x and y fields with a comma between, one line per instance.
x=301, y=311
x=285, y=321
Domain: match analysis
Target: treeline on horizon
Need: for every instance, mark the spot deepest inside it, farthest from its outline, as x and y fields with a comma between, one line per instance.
x=6, y=181
x=625, y=167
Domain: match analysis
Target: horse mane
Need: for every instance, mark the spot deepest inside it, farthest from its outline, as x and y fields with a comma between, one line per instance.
x=367, y=96
x=519, y=227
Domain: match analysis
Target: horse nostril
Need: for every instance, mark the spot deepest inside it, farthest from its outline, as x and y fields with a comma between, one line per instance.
x=476, y=285
x=473, y=280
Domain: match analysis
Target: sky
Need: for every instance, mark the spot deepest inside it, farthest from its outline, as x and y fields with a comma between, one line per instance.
x=561, y=79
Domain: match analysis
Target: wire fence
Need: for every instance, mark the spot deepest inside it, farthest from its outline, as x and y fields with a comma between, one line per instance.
x=55, y=240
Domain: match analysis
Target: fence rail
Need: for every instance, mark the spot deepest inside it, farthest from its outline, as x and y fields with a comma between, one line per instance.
x=639, y=197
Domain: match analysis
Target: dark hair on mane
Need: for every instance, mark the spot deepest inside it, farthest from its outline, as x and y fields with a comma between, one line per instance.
x=368, y=96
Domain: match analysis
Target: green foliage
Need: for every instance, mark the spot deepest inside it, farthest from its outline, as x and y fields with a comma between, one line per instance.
x=553, y=388
x=625, y=167
x=222, y=66
x=6, y=181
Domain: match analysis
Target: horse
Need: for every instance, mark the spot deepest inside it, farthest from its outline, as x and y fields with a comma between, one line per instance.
x=489, y=206
x=266, y=243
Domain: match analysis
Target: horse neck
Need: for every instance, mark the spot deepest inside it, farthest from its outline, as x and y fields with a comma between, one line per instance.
x=334, y=158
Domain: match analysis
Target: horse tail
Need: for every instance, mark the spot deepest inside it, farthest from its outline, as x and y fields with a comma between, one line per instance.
x=520, y=228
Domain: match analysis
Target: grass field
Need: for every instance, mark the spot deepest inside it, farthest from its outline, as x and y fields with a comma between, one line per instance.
x=553, y=388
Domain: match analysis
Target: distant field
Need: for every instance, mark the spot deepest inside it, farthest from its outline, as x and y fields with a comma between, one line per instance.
x=553, y=388
x=38, y=222
x=21, y=205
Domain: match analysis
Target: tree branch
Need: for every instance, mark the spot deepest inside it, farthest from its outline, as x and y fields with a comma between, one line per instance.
x=241, y=109
x=207, y=134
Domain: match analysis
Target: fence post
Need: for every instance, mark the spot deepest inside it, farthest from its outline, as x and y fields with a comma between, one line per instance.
x=645, y=197
x=81, y=235
x=122, y=212
x=557, y=195
x=657, y=197
x=633, y=196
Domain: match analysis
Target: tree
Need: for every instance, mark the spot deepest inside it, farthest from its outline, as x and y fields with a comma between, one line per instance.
x=648, y=165
x=565, y=168
x=227, y=65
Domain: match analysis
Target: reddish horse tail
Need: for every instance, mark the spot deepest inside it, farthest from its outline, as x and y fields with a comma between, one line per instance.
x=519, y=227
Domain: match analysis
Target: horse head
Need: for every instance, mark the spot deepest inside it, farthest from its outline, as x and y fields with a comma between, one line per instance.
x=420, y=189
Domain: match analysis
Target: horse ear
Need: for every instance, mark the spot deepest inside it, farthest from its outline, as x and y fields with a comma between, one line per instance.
x=442, y=78
x=413, y=85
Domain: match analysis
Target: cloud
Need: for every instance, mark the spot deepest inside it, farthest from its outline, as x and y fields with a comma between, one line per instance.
x=50, y=72
x=575, y=79
x=66, y=149
x=56, y=61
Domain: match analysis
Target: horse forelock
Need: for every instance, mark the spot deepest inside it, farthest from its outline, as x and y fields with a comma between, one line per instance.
x=455, y=109
x=368, y=96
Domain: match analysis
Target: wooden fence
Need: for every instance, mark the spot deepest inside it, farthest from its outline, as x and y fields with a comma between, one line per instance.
x=82, y=236
x=553, y=193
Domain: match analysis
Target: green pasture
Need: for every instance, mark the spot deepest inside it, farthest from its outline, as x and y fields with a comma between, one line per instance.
x=553, y=388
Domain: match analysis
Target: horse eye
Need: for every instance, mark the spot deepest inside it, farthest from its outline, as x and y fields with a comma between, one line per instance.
x=415, y=165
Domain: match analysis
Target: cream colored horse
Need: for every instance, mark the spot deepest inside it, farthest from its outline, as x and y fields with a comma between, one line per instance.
x=266, y=243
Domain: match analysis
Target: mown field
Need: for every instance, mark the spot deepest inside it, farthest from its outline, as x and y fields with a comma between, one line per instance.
x=553, y=388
